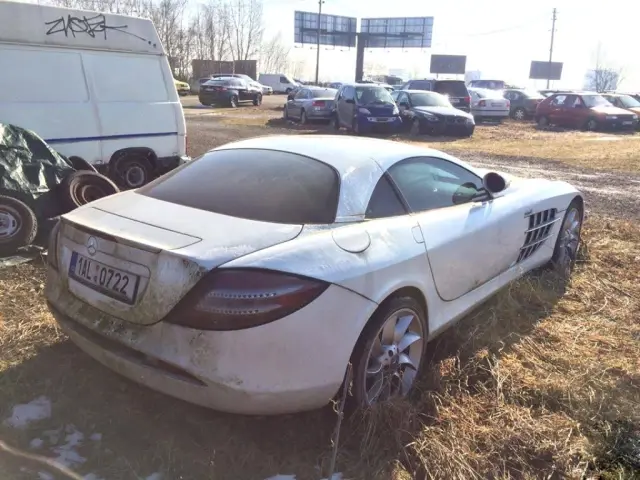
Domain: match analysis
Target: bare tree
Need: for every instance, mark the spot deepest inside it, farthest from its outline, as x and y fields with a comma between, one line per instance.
x=297, y=68
x=604, y=76
x=274, y=55
x=245, y=28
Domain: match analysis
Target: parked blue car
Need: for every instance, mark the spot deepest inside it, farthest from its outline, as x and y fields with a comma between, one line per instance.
x=366, y=108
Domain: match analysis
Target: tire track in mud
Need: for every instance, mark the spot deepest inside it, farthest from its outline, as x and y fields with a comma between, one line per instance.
x=608, y=193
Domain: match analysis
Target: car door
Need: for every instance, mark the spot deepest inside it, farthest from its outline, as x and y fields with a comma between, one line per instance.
x=298, y=101
x=347, y=106
x=556, y=110
x=469, y=242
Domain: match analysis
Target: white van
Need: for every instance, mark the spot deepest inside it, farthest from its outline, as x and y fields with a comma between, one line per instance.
x=279, y=82
x=96, y=87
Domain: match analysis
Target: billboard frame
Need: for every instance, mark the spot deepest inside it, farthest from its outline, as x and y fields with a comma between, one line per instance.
x=305, y=29
x=545, y=70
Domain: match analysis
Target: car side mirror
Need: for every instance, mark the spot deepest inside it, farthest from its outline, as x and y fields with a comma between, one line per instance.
x=494, y=182
x=350, y=100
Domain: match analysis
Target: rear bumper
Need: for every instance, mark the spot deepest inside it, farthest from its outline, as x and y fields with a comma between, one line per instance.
x=490, y=113
x=294, y=364
x=318, y=114
x=207, y=98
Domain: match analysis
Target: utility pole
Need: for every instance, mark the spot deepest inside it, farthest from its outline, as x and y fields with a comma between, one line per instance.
x=553, y=31
x=320, y=2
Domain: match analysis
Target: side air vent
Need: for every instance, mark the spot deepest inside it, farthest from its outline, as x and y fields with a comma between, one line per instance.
x=538, y=231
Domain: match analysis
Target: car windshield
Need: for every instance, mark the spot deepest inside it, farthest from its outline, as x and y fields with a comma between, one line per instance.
x=367, y=95
x=429, y=100
x=595, y=101
x=256, y=184
x=628, y=101
x=323, y=92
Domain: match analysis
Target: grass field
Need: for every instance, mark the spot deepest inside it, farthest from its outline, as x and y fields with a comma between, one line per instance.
x=534, y=384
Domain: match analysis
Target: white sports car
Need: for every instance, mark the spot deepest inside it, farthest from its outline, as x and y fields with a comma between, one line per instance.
x=249, y=278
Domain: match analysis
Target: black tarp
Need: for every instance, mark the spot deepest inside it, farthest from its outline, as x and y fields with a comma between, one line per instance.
x=30, y=169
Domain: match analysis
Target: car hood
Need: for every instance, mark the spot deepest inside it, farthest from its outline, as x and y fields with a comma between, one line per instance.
x=610, y=111
x=379, y=108
x=442, y=111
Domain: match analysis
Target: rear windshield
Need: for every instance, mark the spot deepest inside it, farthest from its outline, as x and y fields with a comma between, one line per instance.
x=263, y=185
x=322, y=93
x=486, y=93
x=453, y=88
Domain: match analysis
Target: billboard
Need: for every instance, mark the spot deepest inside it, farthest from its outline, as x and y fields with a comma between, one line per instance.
x=405, y=32
x=545, y=70
x=335, y=30
x=448, y=64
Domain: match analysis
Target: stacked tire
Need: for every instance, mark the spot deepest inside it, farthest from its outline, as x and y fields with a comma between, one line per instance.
x=19, y=223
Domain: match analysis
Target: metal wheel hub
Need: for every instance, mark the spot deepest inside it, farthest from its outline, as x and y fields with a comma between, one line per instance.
x=394, y=357
x=519, y=115
x=9, y=223
x=134, y=175
x=569, y=241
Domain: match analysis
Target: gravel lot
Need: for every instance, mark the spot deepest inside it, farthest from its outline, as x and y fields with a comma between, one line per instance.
x=609, y=193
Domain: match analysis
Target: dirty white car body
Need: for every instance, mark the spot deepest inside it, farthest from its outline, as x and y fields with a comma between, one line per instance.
x=177, y=253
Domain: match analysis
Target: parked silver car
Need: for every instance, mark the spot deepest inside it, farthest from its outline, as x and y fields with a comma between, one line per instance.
x=310, y=103
x=488, y=104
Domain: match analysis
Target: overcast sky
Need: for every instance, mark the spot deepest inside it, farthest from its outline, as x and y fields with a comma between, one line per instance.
x=499, y=37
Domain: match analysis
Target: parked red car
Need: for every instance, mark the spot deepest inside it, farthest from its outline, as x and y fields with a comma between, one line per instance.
x=588, y=111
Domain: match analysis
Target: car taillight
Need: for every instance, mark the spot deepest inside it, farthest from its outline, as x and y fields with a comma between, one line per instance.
x=52, y=249
x=235, y=299
x=467, y=99
x=508, y=103
x=319, y=103
x=220, y=89
x=482, y=103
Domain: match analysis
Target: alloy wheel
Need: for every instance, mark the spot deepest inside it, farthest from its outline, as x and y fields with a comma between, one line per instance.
x=9, y=222
x=394, y=357
x=568, y=242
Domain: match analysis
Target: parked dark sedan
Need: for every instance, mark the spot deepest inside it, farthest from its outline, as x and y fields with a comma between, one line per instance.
x=523, y=102
x=431, y=113
x=229, y=91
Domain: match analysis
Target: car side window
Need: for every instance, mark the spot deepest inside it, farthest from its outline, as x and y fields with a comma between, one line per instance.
x=300, y=94
x=403, y=98
x=429, y=183
x=348, y=93
x=559, y=100
x=384, y=201
x=421, y=85
x=395, y=95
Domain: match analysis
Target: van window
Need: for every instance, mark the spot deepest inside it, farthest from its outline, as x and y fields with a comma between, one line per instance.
x=34, y=76
x=127, y=78
x=284, y=80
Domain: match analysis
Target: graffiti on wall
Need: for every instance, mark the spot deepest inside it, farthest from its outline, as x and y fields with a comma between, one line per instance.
x=94, y=27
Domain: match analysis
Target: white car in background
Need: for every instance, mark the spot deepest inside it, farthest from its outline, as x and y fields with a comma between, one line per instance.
x=266, y=90
x=249, y=278
x=488, y=104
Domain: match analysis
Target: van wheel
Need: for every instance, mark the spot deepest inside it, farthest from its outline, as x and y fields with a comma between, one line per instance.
x=18, y=225
x=132, y=171
x=287, y=91
x=83, y=187
x=257, y=101
x=233, y=101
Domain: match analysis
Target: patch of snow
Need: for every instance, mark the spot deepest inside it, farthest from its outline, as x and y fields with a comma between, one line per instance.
x=154, y=476
x=66, y=452
x=45, y=476
x=96, y=437
x=282, y=477
x=22, y=415
x=36, y=443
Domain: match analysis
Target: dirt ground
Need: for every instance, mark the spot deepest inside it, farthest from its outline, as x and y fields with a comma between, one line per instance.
x=537, y=383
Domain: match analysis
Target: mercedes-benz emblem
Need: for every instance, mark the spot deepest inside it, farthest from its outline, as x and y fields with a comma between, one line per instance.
x=92, y=246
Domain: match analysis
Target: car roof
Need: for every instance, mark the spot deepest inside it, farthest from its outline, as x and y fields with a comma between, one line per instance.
x=359, y=162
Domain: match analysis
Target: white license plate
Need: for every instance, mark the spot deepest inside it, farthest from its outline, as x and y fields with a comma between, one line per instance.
x=107, y=280
x=496, y=104
x=454, y=100
x=627, y=122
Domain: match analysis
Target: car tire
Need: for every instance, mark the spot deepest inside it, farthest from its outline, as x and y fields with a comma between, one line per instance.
x=568, y=241
x=394, y=311
x=18, y=225
x=303, y=117
x=469, y=133
x=519, y=114
x=336, y=123
x=543, y=121
x=82, y=187
x=287, y=91
x=81, y=164
x=257, y=101
x=285, y=112
x=131, y=171
x=591, y=125
x=233, y=101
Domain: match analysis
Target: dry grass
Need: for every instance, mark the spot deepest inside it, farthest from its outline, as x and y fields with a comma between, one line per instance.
x=532, y=385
